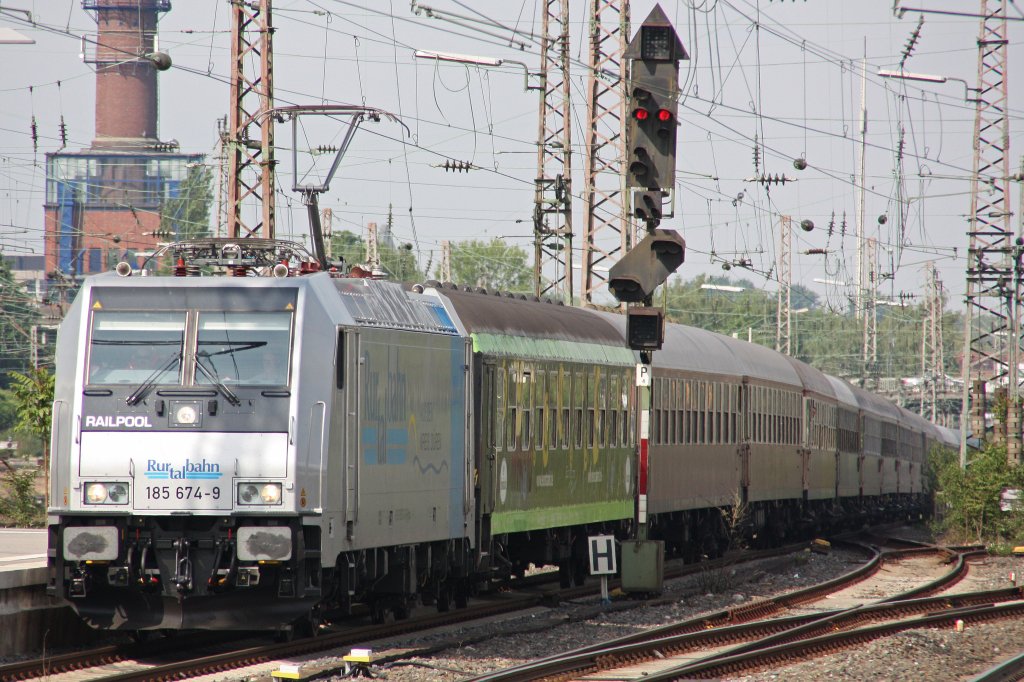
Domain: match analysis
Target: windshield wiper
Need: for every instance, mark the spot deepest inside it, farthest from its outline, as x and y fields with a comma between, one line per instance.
x=136, y=396
x=232, y=398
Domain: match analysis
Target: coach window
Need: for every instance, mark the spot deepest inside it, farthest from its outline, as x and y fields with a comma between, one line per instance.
x=602, y=410
x=132, y=348
x=539, y=413
x=655, y=410
x=498, y=434
x=733, y=400
x=553, y=411
x=565, y=405
x=591, y=398
x=721, y=418
x=708, y=405
x=720, y=426
x=691, y=411
x=686, y=412
x=512, y=413
x=614, y=405
x=668, y=404
x=526, y=407
x=761, y=405
x=578, y=391
x=627, y=415
x=565, y=401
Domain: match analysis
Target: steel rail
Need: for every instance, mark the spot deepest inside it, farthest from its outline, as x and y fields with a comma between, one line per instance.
x=1010, y=670
x=742, y=623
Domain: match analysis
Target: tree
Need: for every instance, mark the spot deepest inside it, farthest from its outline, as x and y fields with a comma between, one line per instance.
x=968, y=499
x=398, y=263
x=349, y=246
x=33, y=395
x=17, y=316
x=492, y=265
x=186, y=215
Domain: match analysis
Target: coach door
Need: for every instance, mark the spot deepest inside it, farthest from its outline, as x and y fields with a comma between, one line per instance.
x=354, y=387
x=487, y=438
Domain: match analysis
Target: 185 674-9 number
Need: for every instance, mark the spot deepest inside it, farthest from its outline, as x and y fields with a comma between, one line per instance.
x=182, y=492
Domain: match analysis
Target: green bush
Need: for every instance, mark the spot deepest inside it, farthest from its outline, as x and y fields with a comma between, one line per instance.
x=967, y=500
x=18, y=506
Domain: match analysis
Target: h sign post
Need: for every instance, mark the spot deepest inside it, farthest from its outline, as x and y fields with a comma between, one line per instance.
x=602, y=561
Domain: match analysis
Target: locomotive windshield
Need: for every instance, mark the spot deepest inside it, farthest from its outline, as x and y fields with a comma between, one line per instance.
x=243, y=348
x=136, y=347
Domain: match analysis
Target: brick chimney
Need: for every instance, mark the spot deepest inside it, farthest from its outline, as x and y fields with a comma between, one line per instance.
x=126, y=85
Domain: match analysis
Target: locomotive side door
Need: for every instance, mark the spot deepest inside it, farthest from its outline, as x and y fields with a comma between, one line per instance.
x=353, y=395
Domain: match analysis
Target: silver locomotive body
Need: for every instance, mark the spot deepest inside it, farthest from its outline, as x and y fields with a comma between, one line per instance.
x=216, y=439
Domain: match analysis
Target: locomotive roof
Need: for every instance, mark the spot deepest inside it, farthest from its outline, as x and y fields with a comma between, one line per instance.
x=377, y=303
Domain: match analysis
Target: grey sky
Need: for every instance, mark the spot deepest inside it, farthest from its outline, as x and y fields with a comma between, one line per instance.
x=800, y=71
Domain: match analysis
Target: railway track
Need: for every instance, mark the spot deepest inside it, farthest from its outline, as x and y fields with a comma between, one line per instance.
x=756, y=635
x=200, y=653
x=1010, y=670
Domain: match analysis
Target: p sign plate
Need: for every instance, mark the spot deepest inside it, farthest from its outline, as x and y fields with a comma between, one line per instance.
x=643, y=375
x=602, y=555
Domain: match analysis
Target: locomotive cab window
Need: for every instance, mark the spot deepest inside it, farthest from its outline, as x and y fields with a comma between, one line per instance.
x=136, y=347
x=243, y=348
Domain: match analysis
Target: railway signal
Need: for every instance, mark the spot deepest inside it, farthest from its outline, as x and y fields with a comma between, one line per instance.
x=653, y=101
x=652, y=91
x=647, y=265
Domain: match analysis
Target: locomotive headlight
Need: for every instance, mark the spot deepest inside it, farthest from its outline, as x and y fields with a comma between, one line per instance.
x=106, y=493
x=117, y=493
x=96, y=493
x=186, y=414
x=270, y=493
x=259, y=493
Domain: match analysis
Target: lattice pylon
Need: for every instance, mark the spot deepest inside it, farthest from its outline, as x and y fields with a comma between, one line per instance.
x=445, y=269
x=933, y=372
x=783, y=307
x=552, y=214
x=608, y=232
x=990, y=266
x=869, y=357
x=250, y=209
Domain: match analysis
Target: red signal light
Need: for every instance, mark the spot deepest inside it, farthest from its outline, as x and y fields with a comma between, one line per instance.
x=641, y=114
x=664, y=115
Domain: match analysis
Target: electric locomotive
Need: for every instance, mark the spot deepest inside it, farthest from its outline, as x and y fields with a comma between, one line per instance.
x=229, y=452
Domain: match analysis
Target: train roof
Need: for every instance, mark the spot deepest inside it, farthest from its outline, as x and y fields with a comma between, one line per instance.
x=813, y=379
x=511, y=324
x=949, y=437
x=844, y=392
x=876, y=405
x=696, y=350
